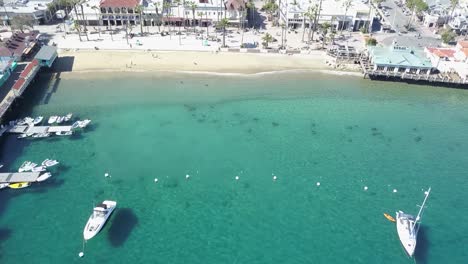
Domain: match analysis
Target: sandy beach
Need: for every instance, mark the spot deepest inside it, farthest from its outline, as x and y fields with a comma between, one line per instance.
x=188, y=61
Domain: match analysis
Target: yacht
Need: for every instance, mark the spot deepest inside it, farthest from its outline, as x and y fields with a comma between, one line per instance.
x=68, y=117
x=49, y=163
x=52, y=119
x=39, y=169
x=27, y=166
x=408, y=227
x=99, y=217
x=37, y=120
x=44, y=177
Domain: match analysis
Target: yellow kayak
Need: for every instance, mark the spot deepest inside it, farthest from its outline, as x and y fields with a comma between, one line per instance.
x=389, y=217
x=19, y=185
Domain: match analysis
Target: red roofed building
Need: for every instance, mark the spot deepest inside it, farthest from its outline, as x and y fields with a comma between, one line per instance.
x=450, y=60
x=18, y=84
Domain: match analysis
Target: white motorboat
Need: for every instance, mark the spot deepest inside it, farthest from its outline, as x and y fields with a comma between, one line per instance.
x=4, y=185
x=49, y=163
x=22, y=136
x=408, y=227
x=99, y=217
x=61, y=133
x=44, y=177
x=60, y=119
x=27, y=166
x=68, y=117
x=85, y=123
x=37, y=120
x=41, y=135
x=52, y=119
x=39, y=169
x=25, y=121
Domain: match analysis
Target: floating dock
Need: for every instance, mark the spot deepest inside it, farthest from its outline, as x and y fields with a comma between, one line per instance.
x=38, y=129
x=11, y=177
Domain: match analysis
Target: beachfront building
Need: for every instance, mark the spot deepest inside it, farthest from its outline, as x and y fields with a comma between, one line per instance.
x=160, y=12
x=7, y=65
x=37, y=10
x=349, y=15
x=46, y=56
x=450, y=60
x=399, y=59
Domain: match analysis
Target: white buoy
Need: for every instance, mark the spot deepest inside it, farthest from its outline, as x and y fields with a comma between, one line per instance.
x=187, y=176
x=274, y=178
x=106, y=174
x=426, y=192
x=155, y=179
x=237, y=178
x=81, y=254
x=365, y=188
x=318, y=183
x=395, y=190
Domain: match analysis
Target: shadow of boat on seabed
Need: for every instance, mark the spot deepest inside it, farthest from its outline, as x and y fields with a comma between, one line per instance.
x=122, y=225
x=420, y=255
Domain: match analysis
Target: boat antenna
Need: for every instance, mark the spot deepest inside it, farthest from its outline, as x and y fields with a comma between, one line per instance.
x=418, y=217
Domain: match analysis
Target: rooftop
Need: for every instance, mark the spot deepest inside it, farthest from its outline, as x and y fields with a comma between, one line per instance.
x=46, y=53
x=119, y=3
x=442, y=52
x=399, y=56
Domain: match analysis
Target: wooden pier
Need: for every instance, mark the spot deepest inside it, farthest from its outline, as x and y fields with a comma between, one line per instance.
x=11, y=177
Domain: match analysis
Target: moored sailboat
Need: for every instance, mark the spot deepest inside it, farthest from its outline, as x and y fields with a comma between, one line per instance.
x=408, y=227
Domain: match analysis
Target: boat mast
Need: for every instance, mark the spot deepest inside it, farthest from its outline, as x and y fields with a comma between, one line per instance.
x=418, y=217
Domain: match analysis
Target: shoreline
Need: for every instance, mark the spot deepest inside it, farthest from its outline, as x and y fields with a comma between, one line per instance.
x=193, y=62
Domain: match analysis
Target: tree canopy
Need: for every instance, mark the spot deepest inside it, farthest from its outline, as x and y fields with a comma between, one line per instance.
x=22, y=21
x=418, y=5
x=448, y=35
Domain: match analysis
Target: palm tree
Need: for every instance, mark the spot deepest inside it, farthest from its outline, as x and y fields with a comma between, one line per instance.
x=346, y=4
x=167, y=9
x=95, y=8
x=251, y=6
x=6, y=13
x=177, y=2
x=243, y=11
x=223, y=23
x=267, y=38
x=310, y=14
x=316, y=19
x=139, y=11
x=193, y=7
x=283, y=27
x=325, y=27
x=158, y=22
x=453, y=5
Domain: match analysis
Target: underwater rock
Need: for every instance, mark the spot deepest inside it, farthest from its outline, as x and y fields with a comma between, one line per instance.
x=274, y=124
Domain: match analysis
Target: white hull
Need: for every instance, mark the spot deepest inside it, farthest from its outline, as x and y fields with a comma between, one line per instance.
x=3, y=185
x=39, y=169
x=27, y=166
x=97, y=220
x=49, y=163
x=406, y=232
x=44, y=177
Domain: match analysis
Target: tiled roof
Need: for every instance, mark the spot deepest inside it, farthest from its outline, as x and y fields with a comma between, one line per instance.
x=18, y=84
x=463, y=44
x=442, y=53
x=119, y=3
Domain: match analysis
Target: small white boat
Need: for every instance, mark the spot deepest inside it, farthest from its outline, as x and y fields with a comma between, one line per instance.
x=25, y=121
x=41, y=135
x=52, y=119
x=408, y=227
x=99, y=217
x=68, y=117
x=27, y=166
x=22, y=136
x=4, y=185
x=81, y=124
x=61, y=133
x=37, y=120
x=60, y=119
x=39, y=169
x=49, y=163
x=44, y=177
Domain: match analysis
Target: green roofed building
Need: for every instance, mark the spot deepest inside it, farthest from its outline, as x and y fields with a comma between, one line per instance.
x=46, y=56
x=399, y=59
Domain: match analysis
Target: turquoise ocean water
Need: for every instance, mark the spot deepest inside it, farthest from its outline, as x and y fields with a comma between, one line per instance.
x=344, y=132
